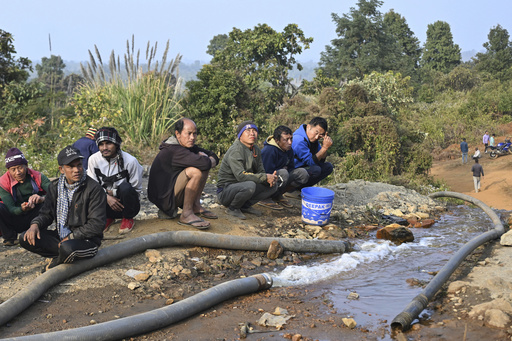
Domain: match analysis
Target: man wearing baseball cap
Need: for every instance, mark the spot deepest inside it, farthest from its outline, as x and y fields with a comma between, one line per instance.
x=22, y=193
x=77, y=204
x=242, y=180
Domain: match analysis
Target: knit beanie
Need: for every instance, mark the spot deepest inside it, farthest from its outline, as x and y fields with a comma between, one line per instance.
x=108, y=134
x=91, y=132
x=245, y=125
x=14, y=157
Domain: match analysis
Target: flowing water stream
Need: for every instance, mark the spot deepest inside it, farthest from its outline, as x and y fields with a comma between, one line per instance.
x=377, y=269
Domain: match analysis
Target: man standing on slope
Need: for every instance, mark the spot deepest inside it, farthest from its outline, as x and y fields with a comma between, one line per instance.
x=464, y=150
x=477, y=170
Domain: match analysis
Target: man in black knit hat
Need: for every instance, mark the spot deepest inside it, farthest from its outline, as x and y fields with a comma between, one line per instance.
x=120, y=174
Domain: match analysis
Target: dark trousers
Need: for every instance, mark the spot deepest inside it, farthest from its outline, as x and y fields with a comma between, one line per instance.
x=130, y=200
x=11, y=224
x=317, y=173
x=245, y=194
x=48, y=246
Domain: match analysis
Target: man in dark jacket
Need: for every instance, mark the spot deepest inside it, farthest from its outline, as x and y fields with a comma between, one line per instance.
x=242, y=180
x=77, y=203
x=178, y=176
x=464, y=150
x=309, y=153
x=277, y=155
x=22, y=193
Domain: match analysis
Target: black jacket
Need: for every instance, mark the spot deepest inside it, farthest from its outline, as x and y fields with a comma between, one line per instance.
x=87, y=212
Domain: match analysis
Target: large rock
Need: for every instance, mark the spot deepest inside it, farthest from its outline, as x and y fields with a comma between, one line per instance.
x=396, y=233
x=506, y=239
x=496, y=318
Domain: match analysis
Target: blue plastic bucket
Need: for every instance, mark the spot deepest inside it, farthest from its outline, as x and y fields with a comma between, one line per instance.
x=316, y=205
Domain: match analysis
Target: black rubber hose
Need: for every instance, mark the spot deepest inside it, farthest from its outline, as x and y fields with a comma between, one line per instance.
x=159, y=318
x=403, y=320
x=24, y=298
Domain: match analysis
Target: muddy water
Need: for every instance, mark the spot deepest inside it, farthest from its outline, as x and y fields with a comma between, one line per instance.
x=377, y=270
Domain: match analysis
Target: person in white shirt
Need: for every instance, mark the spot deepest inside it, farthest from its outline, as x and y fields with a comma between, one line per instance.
x=120, y=174
x=477, y=154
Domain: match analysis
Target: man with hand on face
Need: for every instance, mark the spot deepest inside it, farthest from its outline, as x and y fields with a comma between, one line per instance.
x=120, y=174
x=77, y=204
x=277, y=155
x=309, y=153
x=22, y=193
x=178, y=176
x=242, y=180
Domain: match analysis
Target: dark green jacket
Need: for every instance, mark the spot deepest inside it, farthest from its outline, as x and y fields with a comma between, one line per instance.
x=241, y=164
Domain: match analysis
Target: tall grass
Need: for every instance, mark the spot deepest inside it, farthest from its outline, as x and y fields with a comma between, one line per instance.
x=143, y=99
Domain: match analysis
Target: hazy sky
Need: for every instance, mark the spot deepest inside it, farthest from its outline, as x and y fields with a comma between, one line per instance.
x=76, y=25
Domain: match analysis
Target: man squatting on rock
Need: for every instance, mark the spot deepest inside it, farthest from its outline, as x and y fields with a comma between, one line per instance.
x=78, y=206
x=178, y=176
x=242, y=180
x=120, y=174
x=277, y=155
x=22, y=193
x=309, y=153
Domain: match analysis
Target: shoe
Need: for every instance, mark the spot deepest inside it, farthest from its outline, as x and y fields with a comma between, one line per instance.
x=251, y=210
x=269, y=203
x=52, y=262
x=126, y=225
x=10, y=242
x=235, y=212
x=293, y=195
x=283, y=202
x=191, y=223
x=163, y=215
x=110, y=221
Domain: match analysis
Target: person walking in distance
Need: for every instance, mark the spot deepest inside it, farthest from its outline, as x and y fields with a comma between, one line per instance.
x=477, y=171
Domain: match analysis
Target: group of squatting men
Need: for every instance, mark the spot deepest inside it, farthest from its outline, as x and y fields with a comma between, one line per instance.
x=100, y=183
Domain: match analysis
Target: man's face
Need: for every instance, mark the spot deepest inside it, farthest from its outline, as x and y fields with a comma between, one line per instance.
x=249, y=137
x=285, y=142
x=18, y=173
x=73, y=171
x=188, y=136
x=107, y=149
x=314, y=133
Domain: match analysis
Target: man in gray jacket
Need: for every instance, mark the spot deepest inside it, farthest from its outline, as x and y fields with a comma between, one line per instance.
x=77, y=204
x=242, y=180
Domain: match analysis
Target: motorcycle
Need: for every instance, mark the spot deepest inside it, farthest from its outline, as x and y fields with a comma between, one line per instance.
x=503, y=148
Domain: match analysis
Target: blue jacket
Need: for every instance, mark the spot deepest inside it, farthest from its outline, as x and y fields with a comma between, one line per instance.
x=304, y=150
x=464, y=147
x=87, y=147
x=274, y=158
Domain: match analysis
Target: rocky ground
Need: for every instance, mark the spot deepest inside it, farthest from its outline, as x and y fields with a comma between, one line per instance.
x=160, y=277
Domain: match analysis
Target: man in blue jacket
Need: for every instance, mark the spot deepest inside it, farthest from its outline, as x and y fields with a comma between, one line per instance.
x=464, y=150
x=277, y=155
x=308, y=151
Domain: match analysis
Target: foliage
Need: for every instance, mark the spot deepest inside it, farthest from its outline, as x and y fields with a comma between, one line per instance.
x=390, y=89
x=319, y=82
x=50, y=71
x=217, y=43
x=11, y=69
x=440, y=53
x=497, y=60
x=368, y=41
x=144, y=106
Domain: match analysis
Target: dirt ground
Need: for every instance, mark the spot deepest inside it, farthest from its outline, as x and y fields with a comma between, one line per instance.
x=102, y=294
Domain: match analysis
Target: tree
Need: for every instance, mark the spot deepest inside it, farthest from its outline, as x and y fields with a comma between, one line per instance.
x=217, y=43
x=11, y=69
x=439, y=52
x=397, y=27
x=51, y=71
x=497, y=60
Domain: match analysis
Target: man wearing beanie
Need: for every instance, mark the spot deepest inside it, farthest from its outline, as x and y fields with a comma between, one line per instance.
x=87, y=146
x=77, y=205
x=22, y=193
x=120, y=174
x=242, y=180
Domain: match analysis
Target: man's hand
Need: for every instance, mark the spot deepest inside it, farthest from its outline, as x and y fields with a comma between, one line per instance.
x=63, y=240
x=31, y=234
x=327, y=143
x=272, y=179
x=35, y=199
x=114, y=203
x=214, y=162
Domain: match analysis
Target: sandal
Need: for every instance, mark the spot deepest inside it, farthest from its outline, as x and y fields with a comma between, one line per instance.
x=269, y=203
x=191, y=223
x=207, y=214
x=285, y=203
